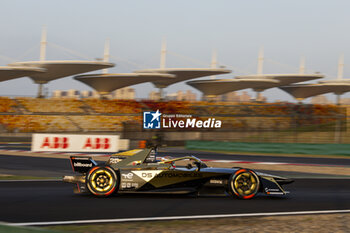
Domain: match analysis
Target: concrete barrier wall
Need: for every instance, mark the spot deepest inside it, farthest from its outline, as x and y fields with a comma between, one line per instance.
x=279, y=148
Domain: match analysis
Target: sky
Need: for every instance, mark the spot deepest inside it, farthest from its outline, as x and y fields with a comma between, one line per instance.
x=287, y=30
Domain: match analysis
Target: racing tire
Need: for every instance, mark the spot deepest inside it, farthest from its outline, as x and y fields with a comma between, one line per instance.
x=102, y=181
x=244, y=184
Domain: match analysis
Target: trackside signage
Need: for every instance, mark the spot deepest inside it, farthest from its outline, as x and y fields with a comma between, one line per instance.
x=75, y=143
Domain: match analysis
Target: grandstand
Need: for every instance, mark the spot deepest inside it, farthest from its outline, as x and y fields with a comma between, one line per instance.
x=28, y=115
x=7, y=105
x=36, y=123
x=33, y=105
x=112, y=106
x=103, y=123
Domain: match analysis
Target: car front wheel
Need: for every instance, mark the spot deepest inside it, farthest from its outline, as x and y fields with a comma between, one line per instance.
x=244, y=184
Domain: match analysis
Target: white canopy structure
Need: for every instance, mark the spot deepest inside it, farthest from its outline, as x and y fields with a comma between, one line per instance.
x=58, y=69
x=338, y=86
x=52, y=70
x=303, y=91
x=284, y=79
x=106, y=83
x=9, y=72
x=214, y=87
x=182, y=74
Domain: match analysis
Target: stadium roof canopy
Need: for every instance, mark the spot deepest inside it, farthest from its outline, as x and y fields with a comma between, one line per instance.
x=10, y=72
x=284, y=79
x=338, y=81
x=59, y=69
x=182, y=74
x=105, y=83
x=303, y=91
x=214, y=87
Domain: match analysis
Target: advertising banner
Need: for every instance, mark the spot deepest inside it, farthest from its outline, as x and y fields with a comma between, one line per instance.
x=75, y=143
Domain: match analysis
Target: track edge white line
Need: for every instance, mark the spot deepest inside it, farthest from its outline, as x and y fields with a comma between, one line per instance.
x=121, y=220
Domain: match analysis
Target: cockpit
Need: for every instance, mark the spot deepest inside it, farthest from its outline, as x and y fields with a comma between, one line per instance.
x=185, y=163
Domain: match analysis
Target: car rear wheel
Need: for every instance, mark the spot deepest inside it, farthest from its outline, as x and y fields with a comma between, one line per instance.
x=244, y=184
x=102, y=181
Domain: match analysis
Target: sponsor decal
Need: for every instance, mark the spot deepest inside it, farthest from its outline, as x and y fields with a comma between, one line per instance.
x=129, y=185
x=97, y=143
x=80, y=164
x=114, y=160
x=276, y=193
x=178, y=174
x=152, y=120
x=147, y=175
x=79, y=158
x=75, y=143
x=128, y=176
x=55, y=143
x=271, y=190
x=151, y=157
x=216, y=182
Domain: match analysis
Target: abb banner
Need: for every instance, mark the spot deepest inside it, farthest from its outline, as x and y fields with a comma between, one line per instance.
x=75, y=143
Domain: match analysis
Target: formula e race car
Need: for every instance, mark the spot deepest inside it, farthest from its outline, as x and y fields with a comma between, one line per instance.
x=139, y=171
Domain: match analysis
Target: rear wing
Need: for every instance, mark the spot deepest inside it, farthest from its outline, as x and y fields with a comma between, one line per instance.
x=82, y=164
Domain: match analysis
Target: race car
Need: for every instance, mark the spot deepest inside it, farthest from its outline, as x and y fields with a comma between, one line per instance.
x=140, y=171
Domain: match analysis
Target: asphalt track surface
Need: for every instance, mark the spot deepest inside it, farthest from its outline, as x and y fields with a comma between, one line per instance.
x=34, y=166
x=54, y=201
x=38, y=201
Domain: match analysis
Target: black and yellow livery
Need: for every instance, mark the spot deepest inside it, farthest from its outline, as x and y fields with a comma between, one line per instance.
x=139, y=171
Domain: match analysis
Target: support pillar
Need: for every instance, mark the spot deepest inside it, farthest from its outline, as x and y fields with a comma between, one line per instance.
x=163, y=54
x=260, y=61
x=43, y=44
x=338, y=99
x=257, y=96
x=161, y=97
x=40, y=90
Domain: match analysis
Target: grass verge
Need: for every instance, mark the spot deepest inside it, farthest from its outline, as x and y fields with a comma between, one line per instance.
x=13, y=229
